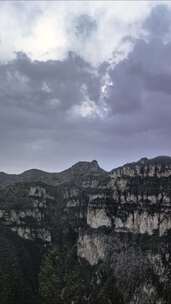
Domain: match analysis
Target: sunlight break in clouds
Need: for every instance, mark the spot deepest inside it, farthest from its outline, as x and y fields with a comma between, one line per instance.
x=46, y=30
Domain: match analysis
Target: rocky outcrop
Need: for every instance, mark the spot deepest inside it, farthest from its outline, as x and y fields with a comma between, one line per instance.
x=29, y=221
x=158, y=167
x=97, y=218
x=144, y=223
x=92, y=246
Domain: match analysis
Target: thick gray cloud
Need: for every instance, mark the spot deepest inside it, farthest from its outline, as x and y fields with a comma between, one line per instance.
x=56, y=112
x=84, y=26
x=158, y=22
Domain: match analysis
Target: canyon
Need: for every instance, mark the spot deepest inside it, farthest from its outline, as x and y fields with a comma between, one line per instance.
x=121, y=217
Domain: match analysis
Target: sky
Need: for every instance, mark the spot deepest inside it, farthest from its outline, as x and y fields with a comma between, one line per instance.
x=83, y=80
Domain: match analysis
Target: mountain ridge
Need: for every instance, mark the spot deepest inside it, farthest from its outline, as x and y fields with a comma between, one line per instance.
x=164, y=159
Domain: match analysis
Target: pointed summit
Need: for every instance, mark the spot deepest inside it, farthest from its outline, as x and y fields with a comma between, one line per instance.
x=95, y=164
x=86, y=166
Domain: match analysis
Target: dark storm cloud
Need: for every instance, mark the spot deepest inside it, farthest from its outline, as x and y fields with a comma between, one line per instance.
x=33, y=83
x=140, y=94
x=147, y=68
x=36, y=100
x=84, y=26
x=54, y=113
x=64, y=78
x=158, y=22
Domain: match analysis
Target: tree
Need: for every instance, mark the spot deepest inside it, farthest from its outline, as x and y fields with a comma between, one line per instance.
x=51, y=278
x=65, y=279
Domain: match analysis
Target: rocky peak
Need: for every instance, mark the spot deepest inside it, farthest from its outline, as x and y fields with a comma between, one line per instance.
x=95, y=164
x=162, y=160
x=143, y=160
x=32, y=174
x=83, y=168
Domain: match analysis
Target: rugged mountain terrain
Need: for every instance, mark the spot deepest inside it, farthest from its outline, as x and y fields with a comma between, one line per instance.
x=120, y=219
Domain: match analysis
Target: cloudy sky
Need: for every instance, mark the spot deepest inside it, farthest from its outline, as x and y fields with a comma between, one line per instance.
x=84, y=80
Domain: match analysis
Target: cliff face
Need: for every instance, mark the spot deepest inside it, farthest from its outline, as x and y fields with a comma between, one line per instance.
x=122, y=216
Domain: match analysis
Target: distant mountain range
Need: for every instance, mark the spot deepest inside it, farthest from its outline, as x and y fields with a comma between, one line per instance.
x=79, y=169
